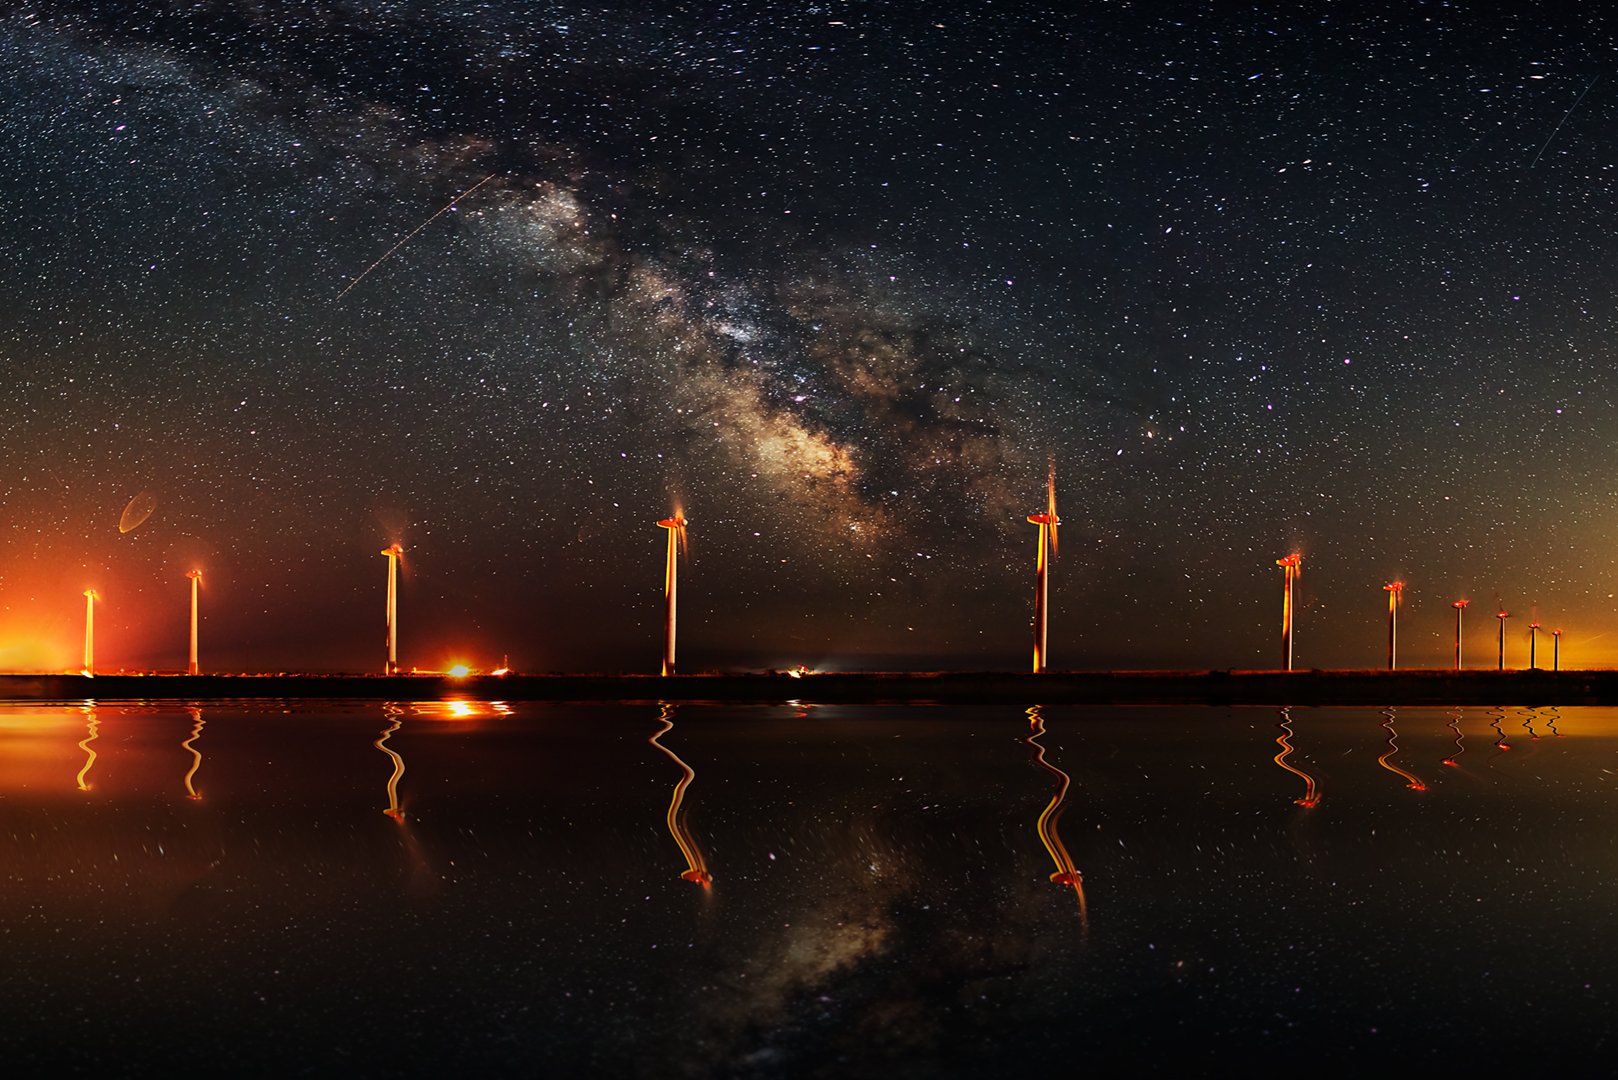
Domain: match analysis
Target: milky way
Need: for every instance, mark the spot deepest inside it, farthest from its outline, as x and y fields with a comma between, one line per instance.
x=841, y=281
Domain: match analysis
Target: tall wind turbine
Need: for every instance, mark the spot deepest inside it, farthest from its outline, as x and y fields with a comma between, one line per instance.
x=677, y=542
x=1396, y=592
x=1459, y=606
x=196, y=580
x=393, y=552
x=1047, y=522
x=1293, y=566
x=1556, y=650
x=1502, y=615
x=1533, y=639
x=90, y=598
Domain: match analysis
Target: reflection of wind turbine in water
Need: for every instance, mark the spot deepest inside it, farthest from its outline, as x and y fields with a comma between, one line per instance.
x=1528, y=723
x=1552, y=715
x=90, y=755
x=1499, y=715
x=1311, y=794
x=677, y=544
x=196, y=732
x=696, y=867
x=1460, y=745
x=381, y=744
x=1413, y=781
x=1066, y=873
x=1047, y=522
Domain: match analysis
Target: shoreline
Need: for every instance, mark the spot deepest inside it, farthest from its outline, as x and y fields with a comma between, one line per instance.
x=1300, y=688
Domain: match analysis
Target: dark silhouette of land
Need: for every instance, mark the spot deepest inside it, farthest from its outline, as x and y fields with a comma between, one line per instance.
x=1441, y=687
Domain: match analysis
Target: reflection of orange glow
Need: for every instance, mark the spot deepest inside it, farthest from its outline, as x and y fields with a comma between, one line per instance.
x=196, y=732
x=1066, y=873
x=90, y=758
x=459, y=709
x=1311, y=794
x=381, y=744
x=1414, y=782
x=696, y=868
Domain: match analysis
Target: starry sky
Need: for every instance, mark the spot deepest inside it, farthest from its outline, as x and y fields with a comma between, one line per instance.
x=505, y=282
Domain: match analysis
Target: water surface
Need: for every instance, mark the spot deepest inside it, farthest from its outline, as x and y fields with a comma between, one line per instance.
x=800, y=890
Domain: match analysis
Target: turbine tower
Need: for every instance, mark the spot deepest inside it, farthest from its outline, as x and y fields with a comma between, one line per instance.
x=676, y=527
x=1502, y=615
x=1533, y=639
x=1396, y=592
x=1459, y=606
x=393, y=552
x=1292, y=565
x=196, y=581
x=1556, y=650
x=90, y=598
x=1047, y=522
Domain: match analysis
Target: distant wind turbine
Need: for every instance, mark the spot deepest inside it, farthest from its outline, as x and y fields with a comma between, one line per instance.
x=1293, y=566
x=677, y=543
x=392, y=552
x=1396, y=592
x=1459, y=606
x=196, y=580
x=90, y=598
x=1047, y=522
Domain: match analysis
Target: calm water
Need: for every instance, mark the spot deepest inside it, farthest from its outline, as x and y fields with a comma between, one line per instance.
x=409, y=888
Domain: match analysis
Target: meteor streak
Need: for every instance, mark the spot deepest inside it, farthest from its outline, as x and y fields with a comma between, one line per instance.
x=412, y=235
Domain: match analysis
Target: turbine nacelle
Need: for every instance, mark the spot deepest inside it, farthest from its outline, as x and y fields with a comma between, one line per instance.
x=393, y=551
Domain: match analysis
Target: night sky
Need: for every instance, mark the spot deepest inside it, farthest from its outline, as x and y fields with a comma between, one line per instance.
x=839, y=279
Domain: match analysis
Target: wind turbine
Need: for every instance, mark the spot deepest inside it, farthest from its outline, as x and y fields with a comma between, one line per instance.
x=392, y=552
x=1293, y=566
x=677, y=543
x=90, y=598
x=1047, y=522
x=1459, y=606
x=196, y=580
x=1502, y=615
x=1396, y=592
x=1556, y=650
x=1533, y=639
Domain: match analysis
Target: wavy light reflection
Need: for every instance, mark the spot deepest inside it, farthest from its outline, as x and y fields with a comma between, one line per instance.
x=393, y=811
x=1413, y=781
x=696, y=867
x=1311, y=792
x=1460, y=741
x=1066, y=873
x=90, y=755
x=196, y=755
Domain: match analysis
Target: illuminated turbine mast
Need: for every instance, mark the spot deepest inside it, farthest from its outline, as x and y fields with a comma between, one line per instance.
x=1556, y=650
x=1533, y=639
x=676, y=527
x=393, y=552
x=1292, y=565
x=1459, y=606
x=1047, y=522
x=1502, y=615
x=196, y=580
x=90, y=598
x=1396, y=591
